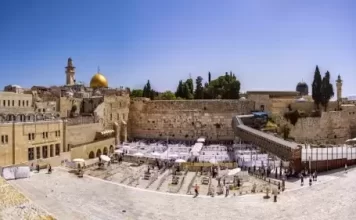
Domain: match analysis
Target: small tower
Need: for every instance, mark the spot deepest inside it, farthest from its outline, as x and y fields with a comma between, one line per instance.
x=339, y=91
x=339, y=88
x=70, y=73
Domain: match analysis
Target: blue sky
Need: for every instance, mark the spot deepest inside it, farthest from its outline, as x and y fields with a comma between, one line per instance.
x=269, y=44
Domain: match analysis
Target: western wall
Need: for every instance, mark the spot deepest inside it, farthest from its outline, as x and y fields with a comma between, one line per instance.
x=185, y=119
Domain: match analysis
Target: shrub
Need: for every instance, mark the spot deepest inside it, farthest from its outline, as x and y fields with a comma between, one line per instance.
x=292, y=116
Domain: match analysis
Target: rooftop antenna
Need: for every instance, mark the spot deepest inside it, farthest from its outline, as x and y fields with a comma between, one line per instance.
x=98, y=69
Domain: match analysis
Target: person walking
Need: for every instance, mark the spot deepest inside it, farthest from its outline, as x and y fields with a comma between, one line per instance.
x=301, y=179
x=310, y=180
x=345, y=168
x=227, y=190
x=196, y=189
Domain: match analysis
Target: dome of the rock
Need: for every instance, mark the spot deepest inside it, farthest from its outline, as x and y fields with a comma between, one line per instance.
x=98, y=81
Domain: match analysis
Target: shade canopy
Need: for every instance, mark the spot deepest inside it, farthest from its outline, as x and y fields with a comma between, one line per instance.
x=105, y=158
x=180, y=161
x=138, y=154
x=233, y=172
x=79, y=160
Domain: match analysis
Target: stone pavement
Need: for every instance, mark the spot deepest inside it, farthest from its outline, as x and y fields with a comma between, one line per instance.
x=14, y=205
x=69, y=197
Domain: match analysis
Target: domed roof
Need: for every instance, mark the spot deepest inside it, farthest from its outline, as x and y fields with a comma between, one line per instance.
x=98, y=81
x=302, y=88
x=302, y=84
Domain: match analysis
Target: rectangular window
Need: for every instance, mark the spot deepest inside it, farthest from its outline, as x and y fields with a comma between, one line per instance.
x=51, y=150
x=4, y=103
x=58, y=149
x=27, y=103
x=23, y=102
x=8, y=102
x=31, y=153
x=13, y=102
x=6, y=139
x=29, y=137
x=2, y=139
x=38, y=152
x=44, y=151
x=33, y=136
x=43, y=135
x=110, y=117
x=46, y=134
x=19, y=103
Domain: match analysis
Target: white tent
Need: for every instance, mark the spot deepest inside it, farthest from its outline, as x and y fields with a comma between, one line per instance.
x=79, y=160
x=180, y=161
x=156, y=154
x=201, y=140
x=233, y=172
x=213, y=161
x=138, y=154
x=119, y=151
x=105, y=158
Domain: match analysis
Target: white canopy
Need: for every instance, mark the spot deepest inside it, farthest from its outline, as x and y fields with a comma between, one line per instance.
x=197, y=148
x=119, y=151
x=180, y=161
x=213, y=161
x=78, y=160
x=201, y=140
x=173, y=155
x=105, y=158
x=138, y=154
x=156, y=154
x=353, y=140
x=233, y=172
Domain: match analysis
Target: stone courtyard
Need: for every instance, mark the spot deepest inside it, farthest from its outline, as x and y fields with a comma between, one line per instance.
x=68, y=197
x=127, y=174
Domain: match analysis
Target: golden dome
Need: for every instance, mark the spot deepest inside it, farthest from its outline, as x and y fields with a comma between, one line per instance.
x=98, y=81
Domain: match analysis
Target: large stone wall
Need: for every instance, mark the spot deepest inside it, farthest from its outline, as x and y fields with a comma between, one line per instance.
x=332, y=127
x=185, y=119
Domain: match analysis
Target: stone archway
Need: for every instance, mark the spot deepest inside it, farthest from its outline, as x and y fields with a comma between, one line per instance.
x=91, y=155
x=111, y=149
x=98, y=153
x=105, y=151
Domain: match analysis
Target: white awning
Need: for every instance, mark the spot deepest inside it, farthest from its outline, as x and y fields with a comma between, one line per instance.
x=201, y=140
x=106, y=132
x=197, y=148
x=105, y=158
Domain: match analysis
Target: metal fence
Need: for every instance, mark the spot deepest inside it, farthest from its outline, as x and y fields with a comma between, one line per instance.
x=328, y=153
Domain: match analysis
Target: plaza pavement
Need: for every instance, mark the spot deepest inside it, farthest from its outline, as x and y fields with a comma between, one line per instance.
x=68, y=197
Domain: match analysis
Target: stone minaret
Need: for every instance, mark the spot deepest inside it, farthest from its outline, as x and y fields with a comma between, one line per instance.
x=339, y=88
x=70, y=73
x=339, y=91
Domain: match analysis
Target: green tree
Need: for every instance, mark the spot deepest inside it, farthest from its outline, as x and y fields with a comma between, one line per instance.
x=190, y=85
x=326, y=91
x=316, y=87
x=147, y=90
x=180, y=89
x=136, y=93
x=224, y=87
x=167, y=95
x=187, y=92
x=199, y=89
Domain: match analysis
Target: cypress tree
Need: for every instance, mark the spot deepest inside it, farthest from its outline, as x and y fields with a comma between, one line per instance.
x=316, y=87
